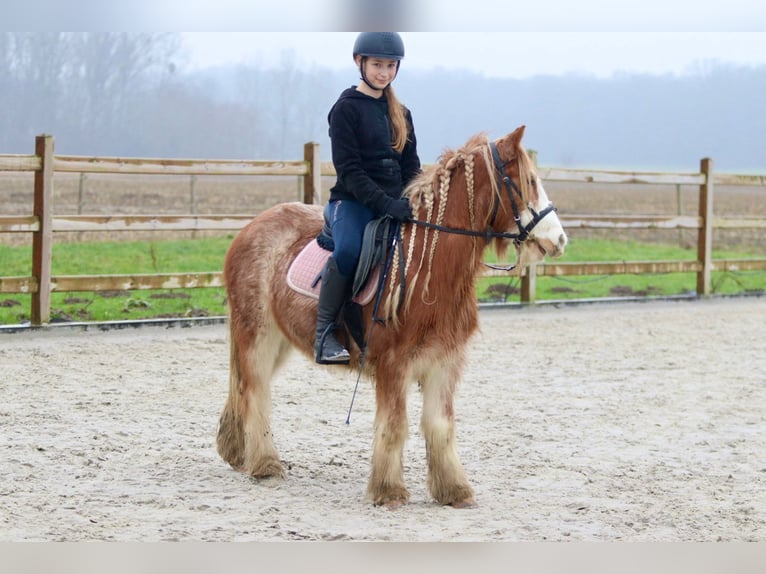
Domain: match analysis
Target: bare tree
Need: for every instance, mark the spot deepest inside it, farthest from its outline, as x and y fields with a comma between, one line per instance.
x=111, y=73
x=7, y=88
x=35, y=68
x=80, y=86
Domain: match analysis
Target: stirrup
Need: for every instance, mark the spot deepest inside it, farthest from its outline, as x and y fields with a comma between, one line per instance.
x=341, y=357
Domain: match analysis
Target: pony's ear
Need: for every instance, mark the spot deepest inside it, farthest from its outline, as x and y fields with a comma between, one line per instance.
x=508, y=145
x=516, y=136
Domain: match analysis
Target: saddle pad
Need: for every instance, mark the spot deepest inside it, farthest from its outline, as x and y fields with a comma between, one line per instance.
x=310, y=263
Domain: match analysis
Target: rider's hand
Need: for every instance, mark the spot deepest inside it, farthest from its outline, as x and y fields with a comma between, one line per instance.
x=400, y=210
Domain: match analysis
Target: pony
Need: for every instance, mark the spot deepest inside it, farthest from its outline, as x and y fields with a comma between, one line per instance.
x=486, y=192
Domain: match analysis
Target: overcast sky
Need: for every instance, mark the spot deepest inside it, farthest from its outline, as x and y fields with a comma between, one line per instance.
x=519, y=39
x=501, y=54
x=426, y=15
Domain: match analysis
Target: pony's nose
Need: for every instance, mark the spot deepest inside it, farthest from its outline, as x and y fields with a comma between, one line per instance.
x=562, y=243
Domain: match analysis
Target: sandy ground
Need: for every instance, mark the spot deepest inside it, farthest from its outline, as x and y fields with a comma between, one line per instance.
x=638, y=421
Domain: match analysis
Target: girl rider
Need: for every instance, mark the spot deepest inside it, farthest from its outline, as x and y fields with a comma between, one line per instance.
x=374, y=151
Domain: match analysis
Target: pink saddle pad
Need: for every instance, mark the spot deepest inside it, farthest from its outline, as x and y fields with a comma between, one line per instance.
x=310, y=263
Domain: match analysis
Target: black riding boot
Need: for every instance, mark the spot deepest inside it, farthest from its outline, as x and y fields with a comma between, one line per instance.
x=332, y=296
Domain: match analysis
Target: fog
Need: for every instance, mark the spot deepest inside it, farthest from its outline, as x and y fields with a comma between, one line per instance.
x=125, y=94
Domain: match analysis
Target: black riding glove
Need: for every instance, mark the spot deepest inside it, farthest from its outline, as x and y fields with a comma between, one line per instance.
x=400, y=210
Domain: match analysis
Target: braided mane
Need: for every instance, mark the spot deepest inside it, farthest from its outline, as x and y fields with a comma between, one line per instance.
x=430, y=190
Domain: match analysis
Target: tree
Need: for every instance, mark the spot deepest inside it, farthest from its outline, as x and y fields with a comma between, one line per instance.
x=80, y=86
x=111, y=73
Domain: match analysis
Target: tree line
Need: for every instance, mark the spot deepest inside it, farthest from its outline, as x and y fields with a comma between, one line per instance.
x=121, y=93
x=124, y=93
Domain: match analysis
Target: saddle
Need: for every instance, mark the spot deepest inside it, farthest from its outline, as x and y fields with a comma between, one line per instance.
x=305, y=272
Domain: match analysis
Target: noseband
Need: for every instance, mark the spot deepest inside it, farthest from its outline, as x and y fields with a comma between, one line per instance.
x=504, y=181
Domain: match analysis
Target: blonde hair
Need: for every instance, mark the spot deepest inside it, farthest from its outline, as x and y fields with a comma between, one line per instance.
x=399, y=125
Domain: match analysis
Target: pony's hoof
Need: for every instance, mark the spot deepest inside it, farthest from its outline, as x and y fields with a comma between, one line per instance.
x=267, y=469
x=392, y=499
x=461, y=504
x=394, y=504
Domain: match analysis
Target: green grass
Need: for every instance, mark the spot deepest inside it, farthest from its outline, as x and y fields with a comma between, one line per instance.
x=206, y=255
x=118, y=258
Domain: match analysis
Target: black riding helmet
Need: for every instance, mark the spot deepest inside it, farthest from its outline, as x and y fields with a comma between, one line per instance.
x=387, y=45
x=379, y=45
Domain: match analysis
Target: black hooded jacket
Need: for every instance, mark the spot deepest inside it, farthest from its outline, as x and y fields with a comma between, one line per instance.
x=369, y=169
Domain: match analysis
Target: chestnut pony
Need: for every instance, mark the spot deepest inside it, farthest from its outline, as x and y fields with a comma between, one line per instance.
x=485, y=192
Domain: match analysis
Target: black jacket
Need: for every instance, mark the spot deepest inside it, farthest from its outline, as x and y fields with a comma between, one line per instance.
x=369, y=169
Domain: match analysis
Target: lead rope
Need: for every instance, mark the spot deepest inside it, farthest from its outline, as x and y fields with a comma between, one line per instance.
x=381, y=285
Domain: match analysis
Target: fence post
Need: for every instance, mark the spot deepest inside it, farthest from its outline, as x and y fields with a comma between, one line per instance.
x=81, y=199
x=193, y=194
x=42, y=239
x=193, y=200
x=679, y=212
x=81, y=193
x=312, y=181
x=529, y=284
x=705, y=234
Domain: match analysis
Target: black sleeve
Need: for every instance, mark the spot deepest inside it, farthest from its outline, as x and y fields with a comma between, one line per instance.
x=348, y=160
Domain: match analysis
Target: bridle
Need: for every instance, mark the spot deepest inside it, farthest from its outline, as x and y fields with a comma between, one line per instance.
x=518, y=237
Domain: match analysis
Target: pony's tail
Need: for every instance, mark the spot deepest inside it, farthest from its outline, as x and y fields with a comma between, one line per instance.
x=231, y=437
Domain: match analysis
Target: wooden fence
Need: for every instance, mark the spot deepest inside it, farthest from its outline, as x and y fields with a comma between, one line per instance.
x=43, y=224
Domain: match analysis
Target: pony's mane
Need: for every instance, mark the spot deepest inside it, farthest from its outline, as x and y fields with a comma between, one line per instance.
x=428, y=181
x=430, y=189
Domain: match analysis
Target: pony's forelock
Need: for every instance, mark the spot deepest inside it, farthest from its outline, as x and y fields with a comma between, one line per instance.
x=527, y=174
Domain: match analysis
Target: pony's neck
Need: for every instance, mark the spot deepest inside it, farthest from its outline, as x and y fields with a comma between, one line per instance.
x=449, y=262
x=459, y=193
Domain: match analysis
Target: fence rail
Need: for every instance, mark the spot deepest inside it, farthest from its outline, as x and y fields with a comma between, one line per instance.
x=43, y=224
